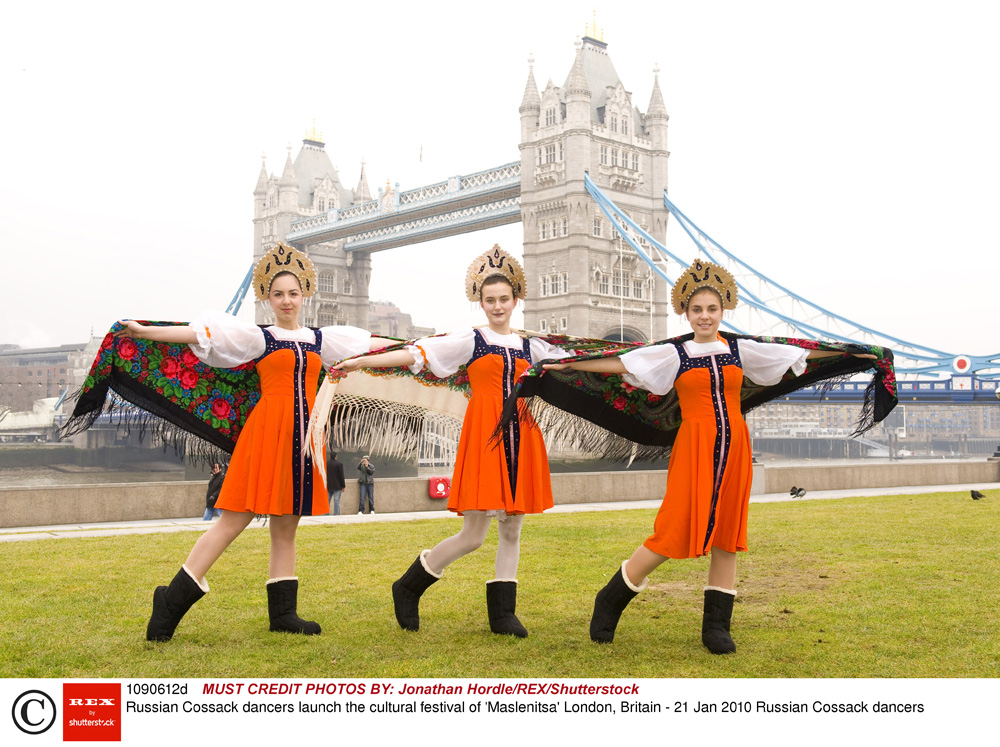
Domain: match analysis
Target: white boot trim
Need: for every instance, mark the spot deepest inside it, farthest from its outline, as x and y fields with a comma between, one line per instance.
x=282, y=578
x=502, y=581
x=731, y=592
x=202, y=582
x=423, y=562
x=642, y=585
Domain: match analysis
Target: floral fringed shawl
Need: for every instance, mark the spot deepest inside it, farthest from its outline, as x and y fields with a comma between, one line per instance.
x=163, y=389
x=384, y=411
x=606, y=416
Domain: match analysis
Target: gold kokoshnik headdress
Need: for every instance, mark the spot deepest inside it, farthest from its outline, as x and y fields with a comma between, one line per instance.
x=283, y=258
x=494, y=262
x=704, y=275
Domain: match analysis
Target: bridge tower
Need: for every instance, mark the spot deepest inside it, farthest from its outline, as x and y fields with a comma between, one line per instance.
x=307, y=187
x=582, y=280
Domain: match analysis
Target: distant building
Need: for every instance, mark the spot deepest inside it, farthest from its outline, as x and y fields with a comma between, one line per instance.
x=386, y=320
x=31, y=374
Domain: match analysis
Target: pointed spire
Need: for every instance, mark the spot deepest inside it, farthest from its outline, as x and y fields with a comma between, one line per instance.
x=261, y=187
x=531, y=102
x=362, y=193
x=288, y=175
x=577, y=83
x=657, y=109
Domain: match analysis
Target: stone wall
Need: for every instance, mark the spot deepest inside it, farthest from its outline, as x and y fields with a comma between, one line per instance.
x=88, y=504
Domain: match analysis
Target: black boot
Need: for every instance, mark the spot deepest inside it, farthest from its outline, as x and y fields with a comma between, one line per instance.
x=501, y=601
x=170, y=603
x=715, y=622
x=406, y=591
x=611, y=601
x=282, y=603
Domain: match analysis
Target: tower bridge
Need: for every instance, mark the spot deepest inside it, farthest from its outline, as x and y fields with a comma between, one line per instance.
x=590, y=190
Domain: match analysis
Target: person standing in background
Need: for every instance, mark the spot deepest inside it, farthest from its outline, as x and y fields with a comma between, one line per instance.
x=214, y=486
x=366, y=486
x=335, y=481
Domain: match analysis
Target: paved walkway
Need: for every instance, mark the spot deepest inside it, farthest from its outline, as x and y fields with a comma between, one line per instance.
x=114, y=529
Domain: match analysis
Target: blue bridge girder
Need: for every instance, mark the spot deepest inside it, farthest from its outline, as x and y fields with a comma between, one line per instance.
x=774, y=309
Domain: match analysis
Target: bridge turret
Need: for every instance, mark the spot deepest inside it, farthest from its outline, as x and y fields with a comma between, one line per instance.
x=362, y=193
x=288, y=186
x=260, y=191
x=531, y=104
x=578, y=93
x=656, y=129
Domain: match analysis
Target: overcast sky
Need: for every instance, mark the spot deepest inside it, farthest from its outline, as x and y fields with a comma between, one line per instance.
x=847, y=149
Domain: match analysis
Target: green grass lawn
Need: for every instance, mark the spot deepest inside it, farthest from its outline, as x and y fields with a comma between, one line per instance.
x=900, y=586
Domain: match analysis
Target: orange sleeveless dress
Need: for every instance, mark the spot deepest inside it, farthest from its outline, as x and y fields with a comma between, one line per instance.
x=270, y=472
x=511, y=476
x=710, y=472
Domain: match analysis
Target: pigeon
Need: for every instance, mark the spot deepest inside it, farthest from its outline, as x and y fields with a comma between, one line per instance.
x=976, y=495
x=794, y=491
x=801, y=493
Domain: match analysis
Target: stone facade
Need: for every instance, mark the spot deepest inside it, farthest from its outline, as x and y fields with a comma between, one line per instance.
x=582, y=279
x=310, y=186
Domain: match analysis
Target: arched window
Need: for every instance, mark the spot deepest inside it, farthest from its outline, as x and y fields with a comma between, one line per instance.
x=614, y=123
x=322, y=205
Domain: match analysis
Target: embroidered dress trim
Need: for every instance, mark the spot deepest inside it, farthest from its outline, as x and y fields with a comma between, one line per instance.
x=302, y=477
x=715, y=362
x=511, y=436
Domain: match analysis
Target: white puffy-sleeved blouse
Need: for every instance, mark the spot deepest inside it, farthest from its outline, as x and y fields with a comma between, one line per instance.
x=225, y=341
x=447, y=353
x=655, y=368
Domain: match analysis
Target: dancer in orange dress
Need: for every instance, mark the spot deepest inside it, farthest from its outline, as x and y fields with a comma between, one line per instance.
x=270, y=472
x=506, y=481
x=709, y=473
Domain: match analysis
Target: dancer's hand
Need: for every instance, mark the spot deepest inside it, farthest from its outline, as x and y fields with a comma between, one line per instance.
x=556, y=366
x=131, y=329
x=350, y=365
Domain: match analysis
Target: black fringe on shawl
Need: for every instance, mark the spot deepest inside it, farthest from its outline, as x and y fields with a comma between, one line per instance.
x=142, y=410
x=582, y=419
